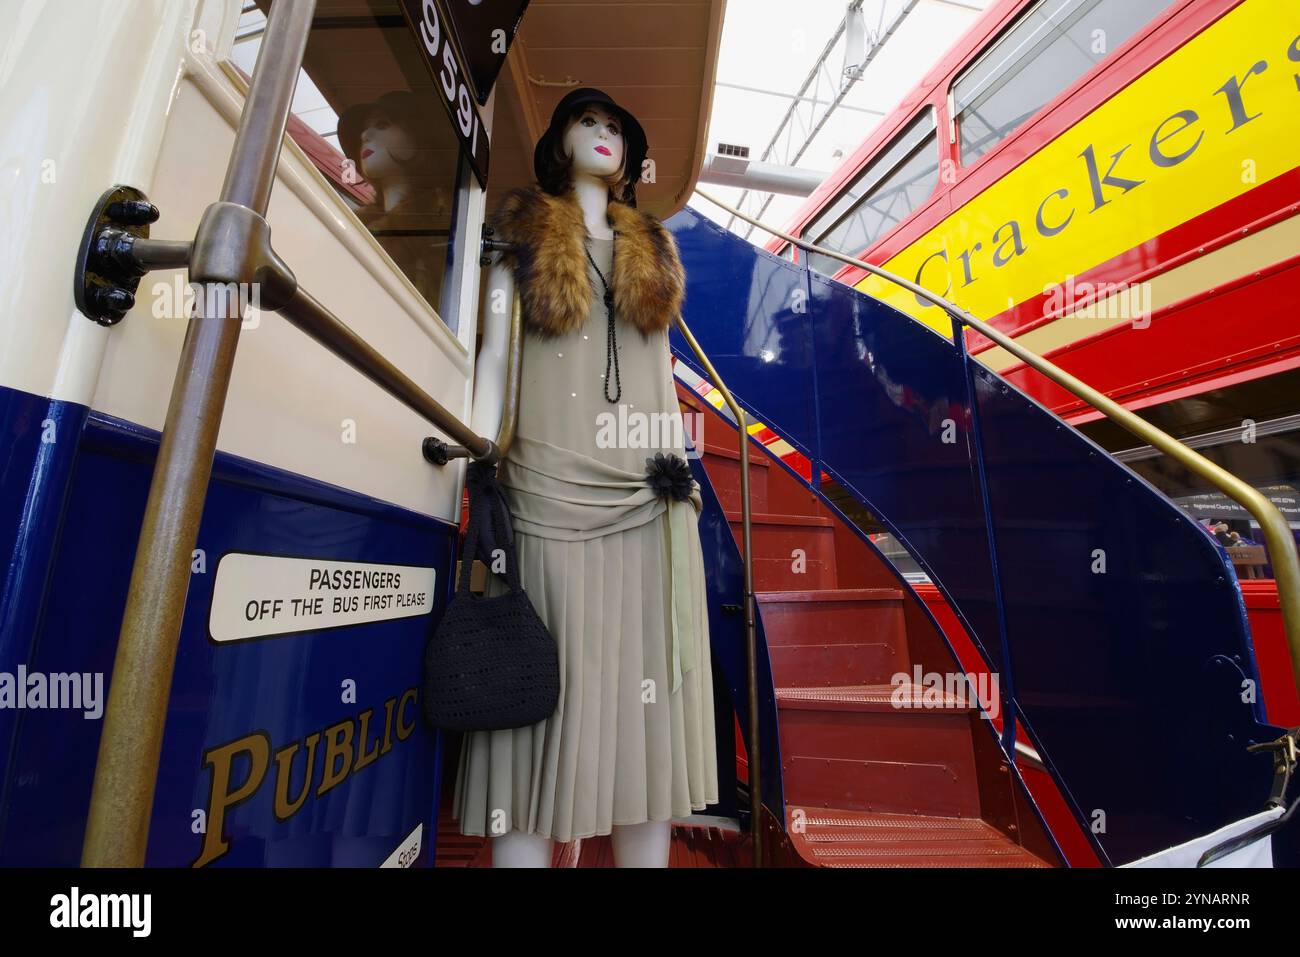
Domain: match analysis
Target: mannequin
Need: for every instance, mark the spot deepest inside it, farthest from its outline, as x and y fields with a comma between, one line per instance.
x=635, y=845
x=593, y=139
x=389, y=143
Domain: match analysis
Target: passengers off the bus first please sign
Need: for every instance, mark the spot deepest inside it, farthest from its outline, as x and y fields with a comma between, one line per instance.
x=260, y=596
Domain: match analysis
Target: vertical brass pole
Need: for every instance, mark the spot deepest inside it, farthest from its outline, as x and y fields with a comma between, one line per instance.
x=751, y=612
x=751, y=639
x=121, y=802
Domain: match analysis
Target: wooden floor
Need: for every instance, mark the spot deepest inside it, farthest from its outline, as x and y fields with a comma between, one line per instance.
x=691, y=847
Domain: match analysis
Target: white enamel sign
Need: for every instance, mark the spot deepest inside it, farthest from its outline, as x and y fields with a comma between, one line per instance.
x=256, y=596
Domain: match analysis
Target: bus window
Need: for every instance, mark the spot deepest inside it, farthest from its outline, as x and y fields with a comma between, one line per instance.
x=366, y=113
x=1051, y=45
x=897, y=181
x=1252, y=429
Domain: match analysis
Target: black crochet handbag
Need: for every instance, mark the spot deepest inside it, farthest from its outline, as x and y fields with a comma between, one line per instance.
x=490, y=663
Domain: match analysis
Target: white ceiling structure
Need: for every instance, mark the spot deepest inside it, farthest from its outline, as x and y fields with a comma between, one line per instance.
x=769, y=48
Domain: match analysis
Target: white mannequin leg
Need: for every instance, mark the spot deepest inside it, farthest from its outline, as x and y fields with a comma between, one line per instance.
x=521, y=849
x=641, y=845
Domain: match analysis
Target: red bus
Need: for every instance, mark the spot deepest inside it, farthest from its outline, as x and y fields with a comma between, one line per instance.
x=1116, y=184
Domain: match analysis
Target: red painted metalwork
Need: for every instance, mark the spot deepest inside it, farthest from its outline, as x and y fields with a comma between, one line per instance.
x=1281, y=700
x=1144, y=49
x=1188, y=345
x=1123, y=367
x=875, y=839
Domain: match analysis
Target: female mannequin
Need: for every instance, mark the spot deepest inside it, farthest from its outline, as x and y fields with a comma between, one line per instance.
x=589, y=131
x=389, y=144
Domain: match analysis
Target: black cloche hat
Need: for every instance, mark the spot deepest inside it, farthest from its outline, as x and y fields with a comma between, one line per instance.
x=634, y=141
x=400, y=105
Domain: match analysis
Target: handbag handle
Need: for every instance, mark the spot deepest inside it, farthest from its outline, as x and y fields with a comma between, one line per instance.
x=489, y=524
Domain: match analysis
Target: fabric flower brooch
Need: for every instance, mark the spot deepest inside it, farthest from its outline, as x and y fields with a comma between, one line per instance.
x=670, y=476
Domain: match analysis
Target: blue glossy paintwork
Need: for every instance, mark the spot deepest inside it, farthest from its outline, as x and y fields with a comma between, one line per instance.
x=38, y=443
x=289, y=686
x=70, y=517
x=1129, y=681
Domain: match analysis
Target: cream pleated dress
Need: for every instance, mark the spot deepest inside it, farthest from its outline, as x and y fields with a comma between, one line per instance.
x=617, y=574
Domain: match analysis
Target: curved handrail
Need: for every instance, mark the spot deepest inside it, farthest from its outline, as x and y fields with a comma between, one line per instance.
x=514, y=372
x=753, y=743
x=1277, y=534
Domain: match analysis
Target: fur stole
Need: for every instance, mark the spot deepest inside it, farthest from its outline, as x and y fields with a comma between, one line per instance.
x=550, y=264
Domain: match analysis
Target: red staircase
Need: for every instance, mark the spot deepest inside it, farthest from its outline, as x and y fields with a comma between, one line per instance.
x=875, y=775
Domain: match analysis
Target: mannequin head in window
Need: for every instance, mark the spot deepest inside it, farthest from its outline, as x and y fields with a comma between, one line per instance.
x=390, y=143
x=596, y=141
x=394, y=144
x=387, y=148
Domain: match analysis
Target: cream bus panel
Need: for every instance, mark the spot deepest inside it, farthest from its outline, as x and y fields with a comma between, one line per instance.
x=291, y=403
x=67, y=138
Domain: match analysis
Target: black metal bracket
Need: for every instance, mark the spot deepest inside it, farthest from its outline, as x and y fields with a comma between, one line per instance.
x=488, y=246
x=438, y=452
x=107, y=274
x=435, y=451
x=232, y=247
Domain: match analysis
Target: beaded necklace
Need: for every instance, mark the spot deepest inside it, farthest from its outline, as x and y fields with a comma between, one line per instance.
x=611, y=344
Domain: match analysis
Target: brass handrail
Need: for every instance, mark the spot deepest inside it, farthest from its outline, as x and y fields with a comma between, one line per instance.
x=747, y=553
x=126, y=769
x=514, y=368
x=1277, y=534
x=306, y=313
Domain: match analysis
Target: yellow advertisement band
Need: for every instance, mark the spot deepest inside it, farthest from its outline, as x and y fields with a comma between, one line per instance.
x=1178, y=141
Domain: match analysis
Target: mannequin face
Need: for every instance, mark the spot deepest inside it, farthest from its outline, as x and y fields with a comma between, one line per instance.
x=595, y=141
x=385, y=148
